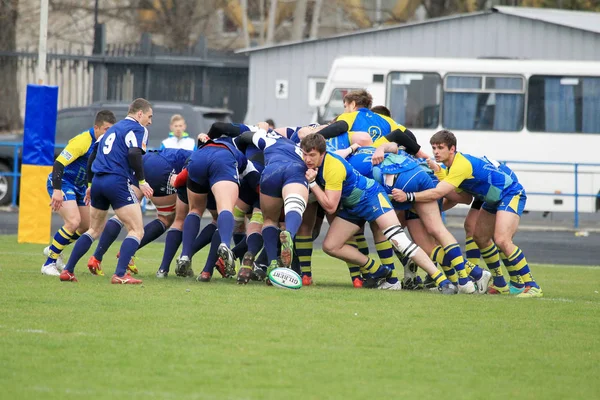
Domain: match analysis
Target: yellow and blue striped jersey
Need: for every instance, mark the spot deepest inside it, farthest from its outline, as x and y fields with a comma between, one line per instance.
x=364, y=120
x=479, y=177
x=337, y=174
x=75, y=157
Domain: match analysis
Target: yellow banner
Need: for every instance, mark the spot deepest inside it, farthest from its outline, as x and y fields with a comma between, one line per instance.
x=35, y=215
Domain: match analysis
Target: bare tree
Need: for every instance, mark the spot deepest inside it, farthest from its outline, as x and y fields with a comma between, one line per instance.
x=10, y=117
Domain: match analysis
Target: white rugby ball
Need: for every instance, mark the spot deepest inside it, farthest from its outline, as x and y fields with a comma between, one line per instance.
x=285, y=278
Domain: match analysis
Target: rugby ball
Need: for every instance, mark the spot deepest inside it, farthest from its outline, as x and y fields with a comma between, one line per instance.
x=285, y=278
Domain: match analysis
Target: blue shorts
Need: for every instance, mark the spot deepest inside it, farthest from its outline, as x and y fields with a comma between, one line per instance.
x=414, y=180
x=209, y=165
x=111, y=190
x=513, y=201
x=70, y=191
x=158, y=172
x=373, y=204
x=277, y=175
x=249, y=191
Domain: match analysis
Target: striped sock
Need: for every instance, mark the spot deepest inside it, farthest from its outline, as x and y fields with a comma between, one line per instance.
x=61, y=239
x=355, y=270
x=439, y=256
x=472, y=253
x=75, y=236
x=518, y=261
x=385, y=252
x=491, y=257
x=362, y=244
x=515, y=278
x=440, y=279
x=375, y=269
x=304, y=249
x=454, y=259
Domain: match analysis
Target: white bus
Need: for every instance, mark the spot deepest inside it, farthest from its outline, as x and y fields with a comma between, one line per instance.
x=508, y=110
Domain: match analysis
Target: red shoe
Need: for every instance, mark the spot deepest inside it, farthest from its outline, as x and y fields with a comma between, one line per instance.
x=306, y=280
x=204, y=277
x=95, y=266
x=220, y=266
x=357, y=283
x=125, y=280
x=67, y=276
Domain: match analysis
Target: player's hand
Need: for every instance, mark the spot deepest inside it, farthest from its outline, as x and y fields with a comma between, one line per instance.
x=146, y=190
x=378, y=156
x=203, y=137
x=263, y=125
x=398, y=195
x=435, y=167
x=311, y=174
x=57, y=200
x=87, y=199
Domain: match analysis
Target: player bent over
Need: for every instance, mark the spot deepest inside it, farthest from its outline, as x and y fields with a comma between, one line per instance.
x=333, y=179
x=67, y=185
x=117, y=156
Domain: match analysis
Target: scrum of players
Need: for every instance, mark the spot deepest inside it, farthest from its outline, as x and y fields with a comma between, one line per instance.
x=268, y=191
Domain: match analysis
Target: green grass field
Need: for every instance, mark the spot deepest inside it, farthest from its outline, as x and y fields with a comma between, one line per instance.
x=220, y=340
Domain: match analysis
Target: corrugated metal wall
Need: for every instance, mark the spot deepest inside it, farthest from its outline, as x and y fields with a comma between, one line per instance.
x=489, y=34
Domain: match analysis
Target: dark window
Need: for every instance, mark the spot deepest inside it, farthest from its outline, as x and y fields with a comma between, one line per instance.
x=414, y=98
x=69, y=126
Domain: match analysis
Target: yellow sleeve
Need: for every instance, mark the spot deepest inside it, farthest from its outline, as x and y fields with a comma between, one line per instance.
x=76, y=147
x=461, y=169
x=334, y=173
x=393, y=124
x=349, y=118
x=441, y=174
x=381, y=141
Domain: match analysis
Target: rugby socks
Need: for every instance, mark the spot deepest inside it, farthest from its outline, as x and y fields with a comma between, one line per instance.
x=355, y=270
x=491, y=256
x=191, y=226
x=304, y=249
x=172, y=242
x=109, y=235
x=454, y=259
x=262, y=259
x=472, y=253
x=439, y=256
x=362, y=244
x=385, y=252
x=152, y=231
x=293, y=220
x=375, y=269
x=238, y=237
x=440, y=279
x=254, y=242
x=212, y=256
x=225, y=223
x=61, y=239
x=204, y=238
x=515, y=278
x=271, y=239
x=75, y=236
x=128, y=248
x=240, y=248
x=517, y=261
x=82, y=245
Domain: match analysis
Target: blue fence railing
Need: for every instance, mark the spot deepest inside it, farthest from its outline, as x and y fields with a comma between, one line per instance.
x=15, y=174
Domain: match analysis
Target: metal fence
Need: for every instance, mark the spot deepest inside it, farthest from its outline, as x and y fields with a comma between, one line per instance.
x=196, y=75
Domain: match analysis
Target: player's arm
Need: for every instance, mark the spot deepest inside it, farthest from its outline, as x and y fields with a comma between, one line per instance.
x=328, y=199
x=335, y=129
x=344, y=153
x=380, y=151
x=136, y=141
x=401, y=139
x=77, y=147
x=219, y=129
x=90, y=173
x=334, y=175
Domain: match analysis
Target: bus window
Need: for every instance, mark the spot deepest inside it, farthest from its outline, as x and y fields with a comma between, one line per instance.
x=563, y=104
x=335, y=106
x=484, y=102
x=414, y=99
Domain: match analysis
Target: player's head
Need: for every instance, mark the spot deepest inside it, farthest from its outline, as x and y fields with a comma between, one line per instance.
x=382, y=110
x=271, y=123
x=177, y=125
x=357, y=99
x=141, y=110
x=104, y=120
x=443, y=144
x=313, y=146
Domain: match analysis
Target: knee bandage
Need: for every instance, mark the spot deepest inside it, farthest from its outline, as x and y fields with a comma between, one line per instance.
x=294, y=202
x=395, y=234
x=166, y=211
x=238, y=214
x=257, y=217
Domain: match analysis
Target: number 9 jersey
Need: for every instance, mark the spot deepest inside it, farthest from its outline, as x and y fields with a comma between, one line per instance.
x=114, y=145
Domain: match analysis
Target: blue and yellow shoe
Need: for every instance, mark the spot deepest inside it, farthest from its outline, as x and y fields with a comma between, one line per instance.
x=531, y=292
x=515, y=290
x=132, y=267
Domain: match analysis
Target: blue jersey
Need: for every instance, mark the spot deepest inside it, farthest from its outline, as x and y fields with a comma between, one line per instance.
x=277, y=148
x=114, y=145
x=175, y=157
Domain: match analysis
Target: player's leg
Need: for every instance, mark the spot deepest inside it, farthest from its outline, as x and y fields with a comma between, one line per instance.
x=165, y=210
x=271, y=209
x=64, y=236
x=226, y=193
x=254, y=242
x=304, y=242
x=295, y=197
x=206, y=234
x=429, y=214
x=483, y=235
x=385, y=251
x=425, y=241
x=131, y=216
x=472, y=252
x=173, y=238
